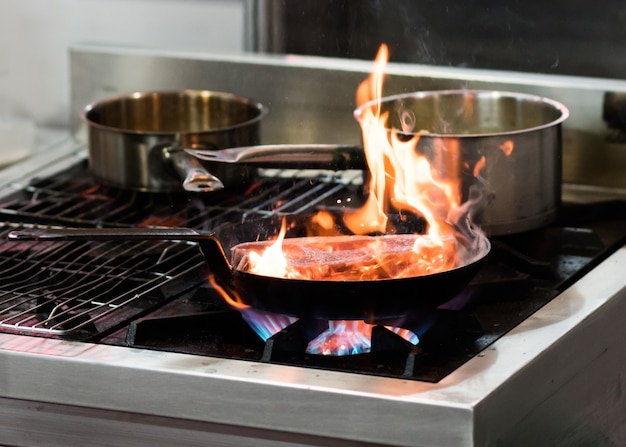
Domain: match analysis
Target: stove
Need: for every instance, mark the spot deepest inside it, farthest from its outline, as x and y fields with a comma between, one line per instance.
x=129, y=343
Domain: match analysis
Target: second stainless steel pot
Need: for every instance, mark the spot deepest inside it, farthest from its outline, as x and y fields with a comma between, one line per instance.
x=136, y=141
x=518, y=135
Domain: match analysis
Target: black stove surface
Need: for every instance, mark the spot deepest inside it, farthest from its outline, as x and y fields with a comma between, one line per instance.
x=523, y=273
x=170, y=305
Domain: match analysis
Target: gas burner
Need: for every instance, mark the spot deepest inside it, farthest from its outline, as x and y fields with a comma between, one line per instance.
x=386, y=350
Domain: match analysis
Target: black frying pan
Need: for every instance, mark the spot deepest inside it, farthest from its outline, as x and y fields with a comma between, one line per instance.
x=328, y=299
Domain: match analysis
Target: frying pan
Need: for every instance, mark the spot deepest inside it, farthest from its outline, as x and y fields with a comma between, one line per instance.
x=325, y=299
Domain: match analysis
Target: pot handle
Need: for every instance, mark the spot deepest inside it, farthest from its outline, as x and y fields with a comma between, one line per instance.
x=194, y=176
x=303, y=156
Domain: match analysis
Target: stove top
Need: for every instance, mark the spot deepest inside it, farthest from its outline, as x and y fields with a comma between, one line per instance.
x=155, y=295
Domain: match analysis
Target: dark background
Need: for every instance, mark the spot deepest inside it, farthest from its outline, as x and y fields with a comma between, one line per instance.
x=554, y=36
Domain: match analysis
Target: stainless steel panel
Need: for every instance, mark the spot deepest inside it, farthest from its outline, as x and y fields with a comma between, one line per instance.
x=62, y=426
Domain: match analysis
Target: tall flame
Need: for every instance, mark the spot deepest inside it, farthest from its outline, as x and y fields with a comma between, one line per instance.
x=412, y=186
x=402, y=181
x=400, y=177
x=270, y=262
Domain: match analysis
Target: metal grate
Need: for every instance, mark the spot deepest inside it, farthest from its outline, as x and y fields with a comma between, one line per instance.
x=81, y=290
x=62, y=288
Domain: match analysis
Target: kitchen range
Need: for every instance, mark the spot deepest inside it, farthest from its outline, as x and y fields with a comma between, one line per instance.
x=134, y=342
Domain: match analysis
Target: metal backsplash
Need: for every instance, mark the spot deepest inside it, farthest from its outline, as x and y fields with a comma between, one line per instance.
x=311, y=99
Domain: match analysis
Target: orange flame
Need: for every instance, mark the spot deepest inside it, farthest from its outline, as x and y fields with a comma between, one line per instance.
x=480, y=165
x=232, y=299
x=507, y=147
x=402, y=180
x=271, y=261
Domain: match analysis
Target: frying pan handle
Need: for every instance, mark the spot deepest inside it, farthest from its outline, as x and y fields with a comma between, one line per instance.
x=107, y=234
x=217, y=261
x=210, y=247
x=194, y=176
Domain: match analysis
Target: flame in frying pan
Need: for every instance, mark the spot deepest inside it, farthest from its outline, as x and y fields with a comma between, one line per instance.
x=402, y=182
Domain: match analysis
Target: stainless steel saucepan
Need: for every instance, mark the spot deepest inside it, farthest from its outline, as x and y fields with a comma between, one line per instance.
x=136, y=141
x=519, y=136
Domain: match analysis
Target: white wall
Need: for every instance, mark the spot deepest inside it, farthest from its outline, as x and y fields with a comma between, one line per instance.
x=35, y=36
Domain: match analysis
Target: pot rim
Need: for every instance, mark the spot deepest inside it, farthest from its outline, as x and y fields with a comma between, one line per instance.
x=556, y=105
x=262, y=111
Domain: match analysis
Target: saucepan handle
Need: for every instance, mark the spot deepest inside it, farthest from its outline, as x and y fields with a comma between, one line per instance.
x=303, y=156
x=195, y=177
